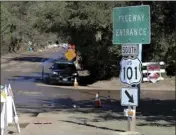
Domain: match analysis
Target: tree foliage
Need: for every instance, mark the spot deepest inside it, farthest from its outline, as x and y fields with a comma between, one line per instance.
x=89, y=24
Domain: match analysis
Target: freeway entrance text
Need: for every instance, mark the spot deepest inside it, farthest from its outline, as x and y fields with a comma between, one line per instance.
x=131, y=25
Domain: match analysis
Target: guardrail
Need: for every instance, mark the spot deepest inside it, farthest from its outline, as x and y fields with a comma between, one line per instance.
x=153, y=68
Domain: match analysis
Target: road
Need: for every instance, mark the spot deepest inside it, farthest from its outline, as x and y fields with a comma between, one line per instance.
x=24, y=72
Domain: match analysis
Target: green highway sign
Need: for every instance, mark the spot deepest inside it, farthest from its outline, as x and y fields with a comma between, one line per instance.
x=131, y=25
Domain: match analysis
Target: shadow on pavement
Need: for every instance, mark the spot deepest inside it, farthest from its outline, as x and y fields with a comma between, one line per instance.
x=37, y=77
x=151, y=111
x=155, y=124
x=26, y=79
x=30, y=59
x=89, y=125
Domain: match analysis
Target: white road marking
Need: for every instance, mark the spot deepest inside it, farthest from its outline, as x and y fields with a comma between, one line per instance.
x=29, y=93
x=17, y=69
x=9, y=64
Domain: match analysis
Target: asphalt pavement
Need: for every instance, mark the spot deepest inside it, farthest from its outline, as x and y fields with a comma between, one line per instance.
x=25, y=72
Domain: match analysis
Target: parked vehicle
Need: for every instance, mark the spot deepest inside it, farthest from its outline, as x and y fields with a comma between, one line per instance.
x=62, y=72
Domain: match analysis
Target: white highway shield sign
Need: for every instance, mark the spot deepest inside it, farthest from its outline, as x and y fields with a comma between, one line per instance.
x=130, y=71
x=129, y=97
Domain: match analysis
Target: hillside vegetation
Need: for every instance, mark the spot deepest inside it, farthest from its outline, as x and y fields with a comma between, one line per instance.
x=89, y=26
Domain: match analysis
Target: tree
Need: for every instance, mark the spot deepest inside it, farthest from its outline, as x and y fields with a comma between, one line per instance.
x=89, y=24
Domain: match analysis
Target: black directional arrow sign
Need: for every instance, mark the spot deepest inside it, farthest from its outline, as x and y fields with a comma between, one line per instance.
x=130, y=97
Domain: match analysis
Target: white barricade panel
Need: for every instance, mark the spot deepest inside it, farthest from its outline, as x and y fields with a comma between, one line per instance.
x=9, y=110
x=3, y=118
x=153, y=71
x=2, y=114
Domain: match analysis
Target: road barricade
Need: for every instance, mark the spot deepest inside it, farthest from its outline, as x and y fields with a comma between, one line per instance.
x=8, y=110
x=153, y=71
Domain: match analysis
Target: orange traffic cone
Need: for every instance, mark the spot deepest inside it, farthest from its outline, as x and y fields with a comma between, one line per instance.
x=75, y=83
x=97, y=100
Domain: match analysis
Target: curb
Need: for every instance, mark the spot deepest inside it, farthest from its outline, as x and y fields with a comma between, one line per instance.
x=98, y=88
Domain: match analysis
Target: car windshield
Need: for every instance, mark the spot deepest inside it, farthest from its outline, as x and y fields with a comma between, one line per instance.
x=62, y=66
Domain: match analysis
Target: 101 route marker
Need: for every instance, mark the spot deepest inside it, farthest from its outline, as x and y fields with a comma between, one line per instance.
x=131, y=27
x=130, y=71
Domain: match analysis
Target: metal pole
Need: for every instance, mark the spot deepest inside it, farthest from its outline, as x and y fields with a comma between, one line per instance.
x=140, y=58
x=132, y=122
x=133, y=125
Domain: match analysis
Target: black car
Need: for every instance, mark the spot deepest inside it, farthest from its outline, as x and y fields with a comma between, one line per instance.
x=62, y=72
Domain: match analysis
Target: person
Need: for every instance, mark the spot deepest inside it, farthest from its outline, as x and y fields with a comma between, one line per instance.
x=70, y=44
x=73, y=47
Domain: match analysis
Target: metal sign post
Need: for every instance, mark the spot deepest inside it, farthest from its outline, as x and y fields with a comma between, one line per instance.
x=131, y=27
x=140, y=58
x=132, y=120
x=132, y=123
x=138, y=86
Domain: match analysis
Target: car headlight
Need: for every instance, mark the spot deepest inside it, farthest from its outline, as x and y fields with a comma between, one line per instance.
x=55, y=73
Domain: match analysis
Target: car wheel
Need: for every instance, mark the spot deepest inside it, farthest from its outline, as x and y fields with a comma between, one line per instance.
x=51, y=82
x=46, y=80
